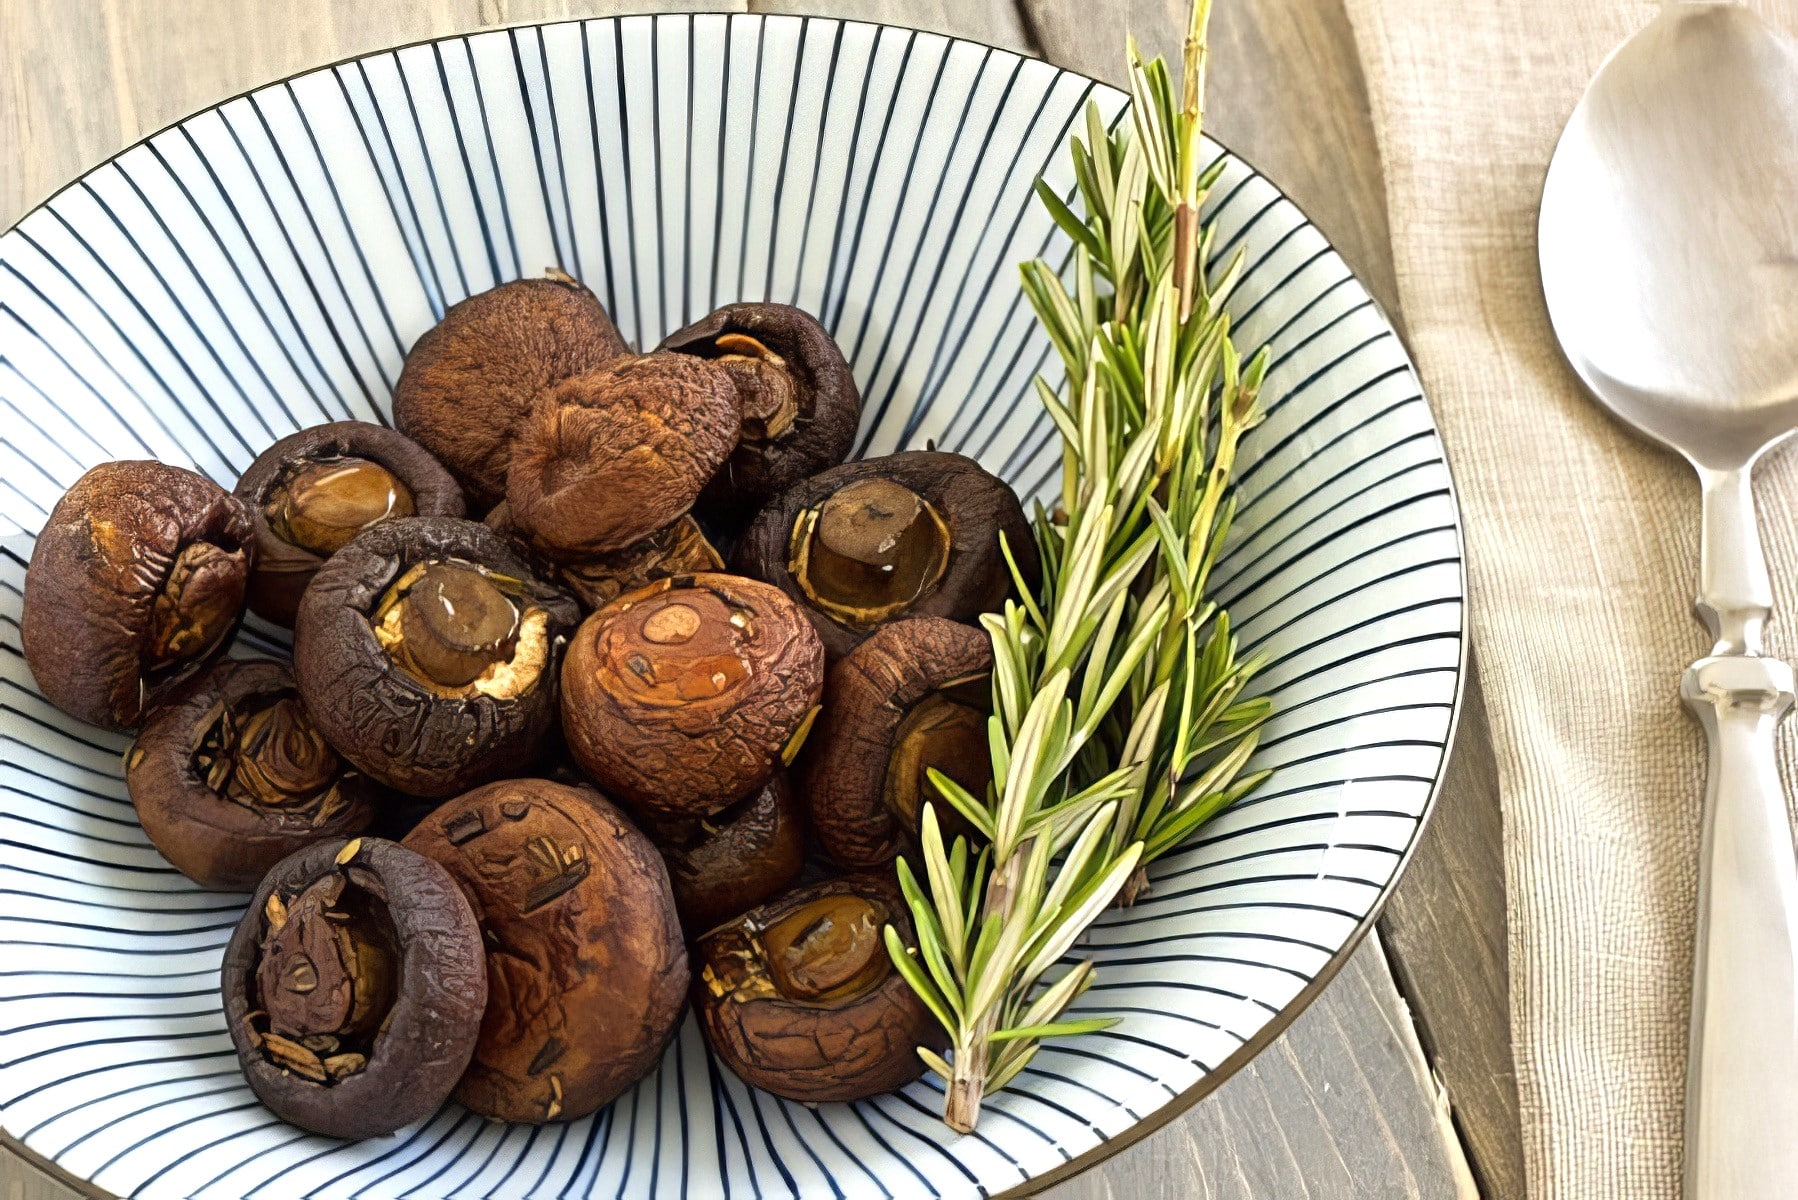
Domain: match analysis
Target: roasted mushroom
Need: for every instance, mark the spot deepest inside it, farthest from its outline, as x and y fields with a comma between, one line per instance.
x=587, y=973
x=472, y=377
x=312, y=491
x=598, y=579
x=912, y=534
x=232, y=776
x=800, y=405
x=915, y=695
x=607, y=458
x=427, y=653
x=354, y=986
x=136, y=582
x=683, y=696
x=731, y=861
x=800, y=998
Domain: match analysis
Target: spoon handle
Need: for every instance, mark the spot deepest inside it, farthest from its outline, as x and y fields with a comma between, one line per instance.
x=1735, y=596
x=1742, y=1076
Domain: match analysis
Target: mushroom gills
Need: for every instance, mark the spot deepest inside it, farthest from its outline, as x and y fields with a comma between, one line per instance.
x=198, y=606
x=327, y=976
x=870, y=551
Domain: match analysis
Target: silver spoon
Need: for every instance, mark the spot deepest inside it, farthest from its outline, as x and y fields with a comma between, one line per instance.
x=1669, y=250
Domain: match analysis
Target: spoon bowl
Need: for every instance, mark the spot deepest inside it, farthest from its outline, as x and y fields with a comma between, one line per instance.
x=1669, y=234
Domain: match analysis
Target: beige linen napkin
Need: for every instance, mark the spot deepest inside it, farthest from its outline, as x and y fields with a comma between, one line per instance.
x=1582, y=549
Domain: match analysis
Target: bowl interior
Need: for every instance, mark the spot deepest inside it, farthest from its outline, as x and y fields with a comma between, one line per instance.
x=265, y=264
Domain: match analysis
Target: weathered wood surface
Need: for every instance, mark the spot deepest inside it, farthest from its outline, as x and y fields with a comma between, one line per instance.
x=1344, y=1104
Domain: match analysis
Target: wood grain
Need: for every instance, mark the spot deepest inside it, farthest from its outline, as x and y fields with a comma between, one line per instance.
x=1344, y=1104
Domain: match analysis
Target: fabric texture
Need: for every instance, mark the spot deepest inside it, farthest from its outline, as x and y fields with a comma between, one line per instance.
x=1582, y=551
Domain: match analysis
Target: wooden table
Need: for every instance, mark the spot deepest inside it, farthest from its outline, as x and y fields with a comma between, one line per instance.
x=1398, y=1080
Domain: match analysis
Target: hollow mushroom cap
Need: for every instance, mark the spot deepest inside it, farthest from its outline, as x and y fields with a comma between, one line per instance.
x=100, y=593
x=815, y=1052
x=473, y=376
x=729, y=863
x=425, y=1043
x=283, y=568
x=829, y=406
x=872, y=689
x=975, y=505
x=587, y=971
x=215, y=840
x=378, y=714
x=609, y=457
x=680, y=697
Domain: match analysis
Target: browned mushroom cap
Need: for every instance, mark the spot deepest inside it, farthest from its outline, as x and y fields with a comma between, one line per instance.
x=472, y=377
x=231, y=776
x=136, y=582
x=800, y=404
x=912, y=534
x=915, y=695
x=354, y=986
x=427, y=653
x=800, y=998
x=607, y=458
x=596, y=580
x=682, y=696
x=312, y=491
x=733, y=860
x=586, y=968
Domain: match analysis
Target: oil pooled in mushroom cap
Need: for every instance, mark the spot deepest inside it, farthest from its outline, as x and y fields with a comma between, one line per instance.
x=326, y=978
x=945, y=731
x=827, y=951
x=870, y=551
x=322, y=503
x=267, y=753
x=460, y=629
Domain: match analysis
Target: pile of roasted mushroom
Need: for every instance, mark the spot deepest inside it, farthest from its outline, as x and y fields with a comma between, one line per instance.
x=532, y=782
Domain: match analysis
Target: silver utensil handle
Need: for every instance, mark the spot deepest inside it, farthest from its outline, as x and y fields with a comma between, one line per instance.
x=1742, y=1080
x=1735, y=596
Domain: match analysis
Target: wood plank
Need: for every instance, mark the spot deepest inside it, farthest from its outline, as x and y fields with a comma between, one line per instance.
x=1340, y=1106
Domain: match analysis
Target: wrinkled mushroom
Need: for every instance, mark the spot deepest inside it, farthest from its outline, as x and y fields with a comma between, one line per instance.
x=232, y=776
x=587, y=972
x=607, y=458
x=912, y=534
x=136, y=582
x=800, y=404
x=914, y=696
x=473, y=376
x=800, y=998
x=598, y=579
x=427, y=653
x=312, y=491
x=733, y=860
x=353, y=988
x=683, y=696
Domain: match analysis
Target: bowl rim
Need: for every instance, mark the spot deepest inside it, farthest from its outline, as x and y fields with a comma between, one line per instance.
x=1276, y=1025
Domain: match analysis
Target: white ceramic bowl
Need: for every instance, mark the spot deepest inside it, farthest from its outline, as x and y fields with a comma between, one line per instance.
x=265, y=264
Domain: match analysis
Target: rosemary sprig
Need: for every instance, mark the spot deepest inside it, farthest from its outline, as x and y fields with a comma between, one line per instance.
x=1120, y=717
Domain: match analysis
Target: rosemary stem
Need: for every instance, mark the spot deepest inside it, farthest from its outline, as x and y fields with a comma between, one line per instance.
x=973, y=1043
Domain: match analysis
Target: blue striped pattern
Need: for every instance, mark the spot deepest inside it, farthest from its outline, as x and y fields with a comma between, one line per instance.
x=265, y=264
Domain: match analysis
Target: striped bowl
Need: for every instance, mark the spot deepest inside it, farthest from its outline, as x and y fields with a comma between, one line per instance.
x=265, y=264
